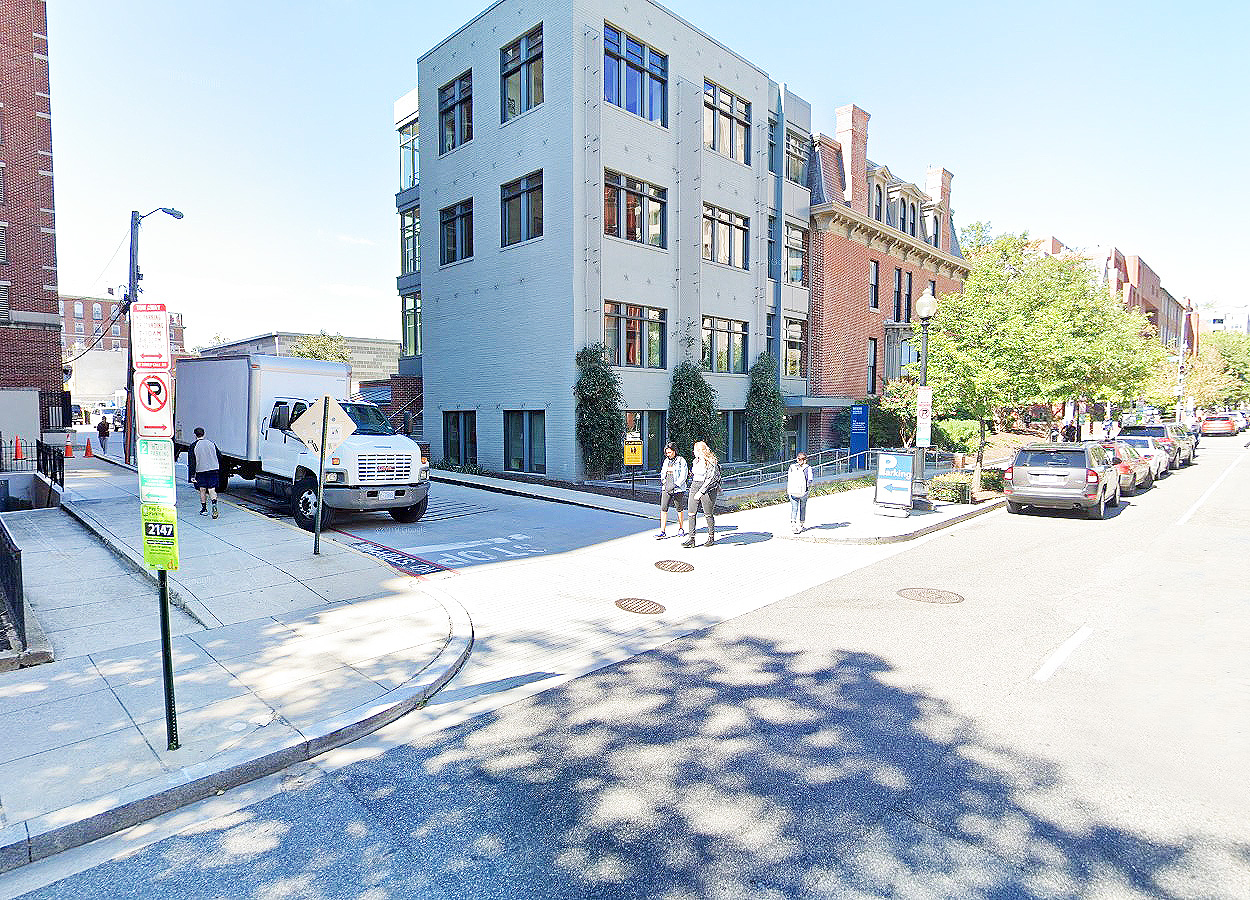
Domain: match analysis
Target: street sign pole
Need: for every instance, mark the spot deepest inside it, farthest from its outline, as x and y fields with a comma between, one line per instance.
x=321, y=473
x=167, y=662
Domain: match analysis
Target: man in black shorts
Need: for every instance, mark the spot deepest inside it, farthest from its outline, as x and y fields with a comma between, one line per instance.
x=205, y=470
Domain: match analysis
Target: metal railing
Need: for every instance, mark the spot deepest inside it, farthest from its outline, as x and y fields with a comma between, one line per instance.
x=9, y=461
x=51, y=462
x=11, y=592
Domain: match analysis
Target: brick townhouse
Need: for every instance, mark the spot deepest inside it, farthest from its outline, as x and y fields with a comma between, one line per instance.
x=30, y=349
x=878, y=242
x=100, y=323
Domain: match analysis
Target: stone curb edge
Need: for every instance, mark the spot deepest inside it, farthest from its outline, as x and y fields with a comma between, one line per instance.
x=987, y=507
x=448, y=478
x=73, y=826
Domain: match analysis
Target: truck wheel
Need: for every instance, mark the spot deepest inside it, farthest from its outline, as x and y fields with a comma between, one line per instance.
x=304, y=505
x=406, y=515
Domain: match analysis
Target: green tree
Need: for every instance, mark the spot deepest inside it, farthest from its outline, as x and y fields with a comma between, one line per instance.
x=692, y=412
x=898, y=402
x=1235, y=350
x=600, y=420
x=765, y=410
x=332, y=347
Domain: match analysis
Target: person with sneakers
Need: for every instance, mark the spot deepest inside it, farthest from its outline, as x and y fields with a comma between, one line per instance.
x=673, y=476
x=204, y=467
x=704, y=486
x=103, y=428
x=798, y=485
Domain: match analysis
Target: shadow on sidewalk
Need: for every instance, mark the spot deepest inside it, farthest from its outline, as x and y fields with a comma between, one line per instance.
x=735, y=767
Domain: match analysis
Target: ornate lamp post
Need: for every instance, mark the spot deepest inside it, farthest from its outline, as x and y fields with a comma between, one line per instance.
x=926, y=306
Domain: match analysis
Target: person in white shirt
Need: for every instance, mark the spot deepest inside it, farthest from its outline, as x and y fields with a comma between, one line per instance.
x=205, y=470
x=798, y=485
x=673, y=476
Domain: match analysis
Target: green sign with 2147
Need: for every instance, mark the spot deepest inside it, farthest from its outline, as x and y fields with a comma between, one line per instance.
x=160, y=536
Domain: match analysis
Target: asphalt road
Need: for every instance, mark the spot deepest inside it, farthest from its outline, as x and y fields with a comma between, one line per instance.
x=1074, y=726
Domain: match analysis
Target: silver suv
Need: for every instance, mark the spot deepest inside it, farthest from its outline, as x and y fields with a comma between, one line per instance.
x=1062, y=476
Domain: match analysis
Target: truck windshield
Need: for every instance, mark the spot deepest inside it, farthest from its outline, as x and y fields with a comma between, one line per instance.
x=368, y=419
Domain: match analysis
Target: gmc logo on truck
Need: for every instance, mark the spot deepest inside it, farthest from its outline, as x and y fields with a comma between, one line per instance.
x=384, y=468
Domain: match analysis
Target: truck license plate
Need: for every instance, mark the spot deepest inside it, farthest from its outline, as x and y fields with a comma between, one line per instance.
x=386, y=495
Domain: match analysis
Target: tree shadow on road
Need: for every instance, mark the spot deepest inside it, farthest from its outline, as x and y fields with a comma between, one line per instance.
x=720, y=765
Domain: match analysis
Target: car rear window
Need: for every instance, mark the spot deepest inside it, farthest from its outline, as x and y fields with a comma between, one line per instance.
x=1218, y=419
x=1137, y=441
x=1053, y=459
x=1152, y=430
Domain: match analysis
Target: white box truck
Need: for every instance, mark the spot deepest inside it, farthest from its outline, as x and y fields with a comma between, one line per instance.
x=246, y=405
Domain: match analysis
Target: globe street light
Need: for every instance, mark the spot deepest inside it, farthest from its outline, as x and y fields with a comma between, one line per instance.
x=132, y=294
x=926, y=306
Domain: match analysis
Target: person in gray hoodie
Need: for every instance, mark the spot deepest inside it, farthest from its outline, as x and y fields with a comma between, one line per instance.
x=673, y=475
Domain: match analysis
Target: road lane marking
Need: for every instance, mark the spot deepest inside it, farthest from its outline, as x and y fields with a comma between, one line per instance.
x=1055, y=660
x=1209, y=491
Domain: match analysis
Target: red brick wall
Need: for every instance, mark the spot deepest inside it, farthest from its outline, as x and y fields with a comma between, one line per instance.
x=30, y=355
x=405, y=394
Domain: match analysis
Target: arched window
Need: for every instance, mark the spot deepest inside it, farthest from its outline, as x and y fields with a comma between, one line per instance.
x=877, y=209
x=77, y=309
x=97, y=311
x=911, y=228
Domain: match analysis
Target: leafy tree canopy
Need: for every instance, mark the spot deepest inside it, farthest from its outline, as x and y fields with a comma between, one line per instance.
x=332, y=347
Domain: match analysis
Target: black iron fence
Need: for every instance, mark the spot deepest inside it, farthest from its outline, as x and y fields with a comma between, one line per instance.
x=17, y=455
x=11, y=583
x=51, y=462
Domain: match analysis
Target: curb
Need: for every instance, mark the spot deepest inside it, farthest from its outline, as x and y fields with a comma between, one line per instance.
x=986, y=507
x=81, y=823
x=445, y=478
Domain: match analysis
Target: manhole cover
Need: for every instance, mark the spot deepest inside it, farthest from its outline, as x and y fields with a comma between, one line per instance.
x=638, y=605
x=930, y=595
x=674, y=565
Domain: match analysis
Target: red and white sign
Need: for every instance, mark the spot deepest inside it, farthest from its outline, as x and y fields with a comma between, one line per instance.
x=154, y=407
x=149, y=330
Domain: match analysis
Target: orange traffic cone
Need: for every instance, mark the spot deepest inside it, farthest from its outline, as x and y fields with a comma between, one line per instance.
x=17, y=450
x=69, y=448
x=88, y=453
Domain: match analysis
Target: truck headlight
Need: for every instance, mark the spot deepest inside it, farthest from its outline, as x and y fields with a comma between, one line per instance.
x=336, y=476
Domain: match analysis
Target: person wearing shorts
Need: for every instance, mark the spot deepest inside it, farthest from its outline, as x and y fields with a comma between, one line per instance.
x=205, y=470
x=673, y=476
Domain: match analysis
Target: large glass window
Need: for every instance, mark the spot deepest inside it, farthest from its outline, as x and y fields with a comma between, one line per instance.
x=634, y=210
x=796, y=254
x=733, y=426
x=77, y=309
x=522, y=209
x=412, y=324
x=455, y=113
x=726, y=123
x=409, y=155
x=521, y=75
x=410, y=242
x=635, y=76
x=871, y=374
x=460, y=438
x=796, y=157
x=724, y=345
x=795, y=361
x=635, y=335
x=525, y=441
x=726, y=237
x=874, y=279
x=457, y=232
x=649, y=424
x=898, y=295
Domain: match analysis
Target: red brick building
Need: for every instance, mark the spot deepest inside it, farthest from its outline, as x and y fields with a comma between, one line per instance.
x=30, y=329
x=877, y=243
x=84, y=319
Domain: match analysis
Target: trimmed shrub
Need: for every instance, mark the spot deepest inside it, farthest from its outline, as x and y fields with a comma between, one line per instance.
x=992, y=480
x=765, y=411
x=957, y=435
x=600, y=419
x=692, y=414
x=954, y=487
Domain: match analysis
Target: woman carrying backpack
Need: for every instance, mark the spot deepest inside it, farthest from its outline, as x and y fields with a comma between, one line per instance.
x=704, y=486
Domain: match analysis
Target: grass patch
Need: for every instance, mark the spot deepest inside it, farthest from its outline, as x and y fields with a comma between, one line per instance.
x=774, y=498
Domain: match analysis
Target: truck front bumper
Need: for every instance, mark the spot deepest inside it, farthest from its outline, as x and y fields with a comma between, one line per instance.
x=381, y=496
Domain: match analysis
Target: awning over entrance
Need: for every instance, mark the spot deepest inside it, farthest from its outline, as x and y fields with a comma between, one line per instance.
x=802, y=402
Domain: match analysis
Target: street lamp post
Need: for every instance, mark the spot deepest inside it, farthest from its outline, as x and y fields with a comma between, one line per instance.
x=132, y=294
x=926, y=306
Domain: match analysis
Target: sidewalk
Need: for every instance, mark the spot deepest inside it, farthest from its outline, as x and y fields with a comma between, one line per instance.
x=278, y=655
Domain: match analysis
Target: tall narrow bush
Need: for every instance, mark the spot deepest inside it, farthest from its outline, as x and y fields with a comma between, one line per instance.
x=692, y=414
x=766, y=410
x=600, y=418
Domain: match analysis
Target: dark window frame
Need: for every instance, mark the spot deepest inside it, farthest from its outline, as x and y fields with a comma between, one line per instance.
x=871, y=367
x=526, y=194
x=459, y=217
x=630, y=330
x=726, y=118
x=874, y=284
x=726, y=236
x=627, y=62
x=795, y=248
x=721, y=335
x=794, y=354
x=528, y=418
x=455, y=109
x=465, y=449
x=623, y=194
x=522, y=60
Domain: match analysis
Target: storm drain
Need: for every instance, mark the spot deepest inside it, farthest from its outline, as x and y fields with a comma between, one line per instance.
x=674, y=565
x=638, y=605
x=930, y=595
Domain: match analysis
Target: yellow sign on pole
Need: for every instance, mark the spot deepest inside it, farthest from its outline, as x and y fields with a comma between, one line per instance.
x=633, y=453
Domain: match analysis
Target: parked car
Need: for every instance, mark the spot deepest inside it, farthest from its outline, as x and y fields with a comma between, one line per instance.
x=1180, y=443
x=76, y=416
x=1152, y=450
x=1240, y=418
x=1221, y=424
x=1135, y=470
x=1062, y=476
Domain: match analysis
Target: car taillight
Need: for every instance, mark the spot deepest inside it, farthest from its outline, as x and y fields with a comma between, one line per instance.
x=1168, y=441
x=1091, y=477
x=1007, y=476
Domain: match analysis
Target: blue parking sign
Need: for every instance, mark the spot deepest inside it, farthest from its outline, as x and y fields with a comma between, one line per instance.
x=893, y=480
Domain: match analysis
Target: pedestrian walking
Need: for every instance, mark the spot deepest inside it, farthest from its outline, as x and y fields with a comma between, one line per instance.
x=204, y=469
x=102, y=428
x=673, y=475
x=798, y=485
x=704, y=486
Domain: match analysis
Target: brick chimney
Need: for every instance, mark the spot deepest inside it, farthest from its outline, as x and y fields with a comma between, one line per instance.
x=938, y=187
x=853, y=136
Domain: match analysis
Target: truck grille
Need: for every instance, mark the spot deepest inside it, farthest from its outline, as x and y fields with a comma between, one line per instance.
x=385, y=468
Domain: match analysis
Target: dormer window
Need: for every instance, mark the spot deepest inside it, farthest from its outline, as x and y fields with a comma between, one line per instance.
x=911, y=227
x=877, y=208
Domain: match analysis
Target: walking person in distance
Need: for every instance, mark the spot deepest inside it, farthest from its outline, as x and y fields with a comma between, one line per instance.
x=798, y=485
x=704, y=486
x=673, y=475
x=103, y=428
x=205, y=469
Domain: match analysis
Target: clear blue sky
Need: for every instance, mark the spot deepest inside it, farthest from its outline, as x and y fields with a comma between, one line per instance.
x=270, y=125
